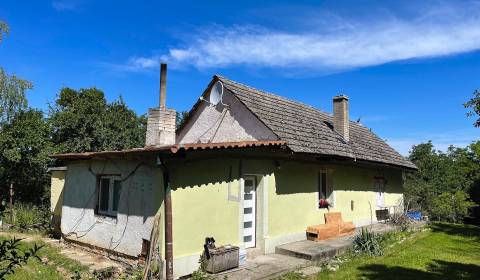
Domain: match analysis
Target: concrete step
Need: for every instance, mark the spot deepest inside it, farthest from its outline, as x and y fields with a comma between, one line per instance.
x=315, y=251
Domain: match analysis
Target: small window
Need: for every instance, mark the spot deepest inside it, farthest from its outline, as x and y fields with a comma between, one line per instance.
x=325, y=190
x=109, y=191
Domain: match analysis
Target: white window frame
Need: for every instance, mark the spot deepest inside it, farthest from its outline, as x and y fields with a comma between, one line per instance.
x=329, y=195
x=379, y=186
x=111, y=193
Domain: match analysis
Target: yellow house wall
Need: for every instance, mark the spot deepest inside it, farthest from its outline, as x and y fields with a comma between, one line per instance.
x=57, y=183
x=293, y=198
x=355, y=184
x=293, y=195
x=206, y=202
x=201, y=206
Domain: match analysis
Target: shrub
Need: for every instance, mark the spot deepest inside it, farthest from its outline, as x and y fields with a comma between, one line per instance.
x=367, y=242
x=401, y=220
x=200, y=275
x=451, y=207
x=11, y=256
x=28, y=216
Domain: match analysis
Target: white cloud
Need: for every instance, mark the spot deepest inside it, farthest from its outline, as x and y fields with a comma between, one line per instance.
x=142, y=62
x=343, y=44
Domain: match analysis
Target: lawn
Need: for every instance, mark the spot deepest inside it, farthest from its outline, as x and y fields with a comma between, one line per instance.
x=446, y=251
x=53, y=265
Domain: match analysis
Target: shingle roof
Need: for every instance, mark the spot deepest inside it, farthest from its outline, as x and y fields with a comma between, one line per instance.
x=306, y=129
x=172, y=149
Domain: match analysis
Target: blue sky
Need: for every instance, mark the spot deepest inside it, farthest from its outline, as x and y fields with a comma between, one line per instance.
x=408, y=66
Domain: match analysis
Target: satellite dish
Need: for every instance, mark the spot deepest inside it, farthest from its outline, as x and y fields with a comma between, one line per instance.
x=216, y=93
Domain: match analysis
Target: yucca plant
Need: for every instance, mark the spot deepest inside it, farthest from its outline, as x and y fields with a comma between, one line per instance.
x=367, y=242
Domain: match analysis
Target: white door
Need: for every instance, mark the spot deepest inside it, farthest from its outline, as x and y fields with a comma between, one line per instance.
x=379, y=188
x=249, y=211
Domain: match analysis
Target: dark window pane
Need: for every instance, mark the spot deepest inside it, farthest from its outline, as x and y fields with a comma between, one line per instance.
x=248, y=183
x=324, y=184
x=104, y=193
x=117, y=187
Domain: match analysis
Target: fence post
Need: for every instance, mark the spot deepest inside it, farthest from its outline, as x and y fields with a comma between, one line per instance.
x=12, y=216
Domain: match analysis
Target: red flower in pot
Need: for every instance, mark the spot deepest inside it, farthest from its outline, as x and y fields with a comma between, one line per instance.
x=323, y=203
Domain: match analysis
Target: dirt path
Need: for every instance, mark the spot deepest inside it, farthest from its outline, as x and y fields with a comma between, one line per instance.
x=87, y=258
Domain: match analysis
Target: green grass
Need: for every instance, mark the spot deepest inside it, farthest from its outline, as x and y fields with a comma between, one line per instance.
x=446, y=251
x=53, y=265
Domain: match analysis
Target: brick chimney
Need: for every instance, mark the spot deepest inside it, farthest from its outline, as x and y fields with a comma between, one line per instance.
x=340, y=116
x=161, y=120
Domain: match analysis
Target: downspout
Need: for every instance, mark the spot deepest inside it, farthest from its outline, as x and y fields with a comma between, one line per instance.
x=168, y=224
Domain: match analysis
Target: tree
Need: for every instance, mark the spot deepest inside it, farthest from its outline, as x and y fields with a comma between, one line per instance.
x=4, y=29
x=442, y=176
x=451, y=207
x=123, y=129
x=12, y=89
x=12, y=95
x=474, y=106
x=180, y=118
x=84, y=121
x=25, y=147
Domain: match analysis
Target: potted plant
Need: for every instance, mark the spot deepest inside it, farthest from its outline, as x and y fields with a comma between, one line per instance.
x=323, y=203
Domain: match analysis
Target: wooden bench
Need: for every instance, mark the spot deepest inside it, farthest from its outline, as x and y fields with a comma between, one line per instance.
x=334, y=227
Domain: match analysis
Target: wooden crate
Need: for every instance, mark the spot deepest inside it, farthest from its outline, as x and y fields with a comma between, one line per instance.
x=223, y=258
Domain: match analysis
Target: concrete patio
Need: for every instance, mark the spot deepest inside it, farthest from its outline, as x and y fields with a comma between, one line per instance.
x=303, y=256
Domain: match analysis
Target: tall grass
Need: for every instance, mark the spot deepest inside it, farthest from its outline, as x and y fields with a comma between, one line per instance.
x=28, y=216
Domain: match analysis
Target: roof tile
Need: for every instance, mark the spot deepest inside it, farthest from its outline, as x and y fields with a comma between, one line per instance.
x=305, y=131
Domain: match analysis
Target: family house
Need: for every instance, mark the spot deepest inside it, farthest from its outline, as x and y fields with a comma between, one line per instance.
x=246, y=167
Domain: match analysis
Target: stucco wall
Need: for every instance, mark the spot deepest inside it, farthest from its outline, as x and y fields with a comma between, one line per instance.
x=294, y=194
x=139, y=201
x=358, y=186
x=57, y=181
x=201, y=204
x=206, y=202
x=293, y=199
x=224, y=124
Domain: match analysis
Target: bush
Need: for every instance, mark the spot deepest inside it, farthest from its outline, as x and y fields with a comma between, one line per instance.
x=200, y=275
x=29, y=216
x=401, y=220
x=451, y=207
x=368, y=242
x=11, y=256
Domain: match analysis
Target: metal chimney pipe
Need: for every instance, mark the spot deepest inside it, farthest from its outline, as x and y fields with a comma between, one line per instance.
x=163, y=84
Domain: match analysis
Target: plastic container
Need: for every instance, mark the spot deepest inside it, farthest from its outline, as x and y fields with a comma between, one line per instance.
x=414, y=215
